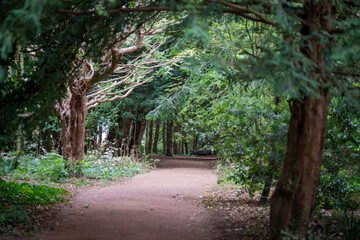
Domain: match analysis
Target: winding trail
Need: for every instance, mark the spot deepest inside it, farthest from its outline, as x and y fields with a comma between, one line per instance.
x=163, y=204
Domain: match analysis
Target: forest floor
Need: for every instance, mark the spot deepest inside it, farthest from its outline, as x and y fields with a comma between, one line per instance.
x=166, y=203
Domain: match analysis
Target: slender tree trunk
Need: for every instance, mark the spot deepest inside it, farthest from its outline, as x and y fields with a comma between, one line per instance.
x=142, y=128
x=174, y=151
x=124, y=138
x=294, y=197
x=73, y=130
x=99, y=135
x=182, y=143
x=164, y=138
x=169, y=133
x=195, y=141
x=56, y=136
x=156, y=137
x=151, y=126
x=146, y=149
x=19, y=138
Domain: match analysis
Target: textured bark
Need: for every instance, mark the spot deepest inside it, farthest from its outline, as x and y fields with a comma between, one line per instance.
x=73, y=130
x=156, y=137
x=294, y=197
x=169, y=133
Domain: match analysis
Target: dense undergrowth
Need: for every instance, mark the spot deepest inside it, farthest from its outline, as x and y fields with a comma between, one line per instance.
x=28, y=181
x=336, y=214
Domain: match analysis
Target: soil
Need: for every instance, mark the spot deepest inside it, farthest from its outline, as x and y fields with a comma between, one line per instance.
x=165, y=203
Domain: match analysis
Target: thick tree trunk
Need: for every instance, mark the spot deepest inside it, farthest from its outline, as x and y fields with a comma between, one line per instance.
x=156, y=137
x=293, y=200
x=169, y=133
x=73, y=130
x=294, y=196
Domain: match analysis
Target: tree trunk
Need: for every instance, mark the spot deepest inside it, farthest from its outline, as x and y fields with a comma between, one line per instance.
x=142, y=128
x=123, y=143
x=294, y=196
x=195, y=141
x=174, y=151
x=73, y=130
x=266, y=190
x=182, y=143
x=164, y=138
x=151, y=125
x=100, y=130
x=19, y=138
x=156, y=137
x=169, y=129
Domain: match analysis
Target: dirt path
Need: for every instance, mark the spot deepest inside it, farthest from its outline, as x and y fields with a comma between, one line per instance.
x=160, y=205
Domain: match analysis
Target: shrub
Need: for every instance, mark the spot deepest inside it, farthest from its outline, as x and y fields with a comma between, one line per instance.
x=338, y=190
x=111, y=168
x=15, y=198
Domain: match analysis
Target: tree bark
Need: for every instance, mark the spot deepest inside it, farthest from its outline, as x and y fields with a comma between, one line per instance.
x=142, y=128
x=151, y=126
x=73, y=130
x=175, y=148
x=156, y=137
x=100, y=130
x=169, y=133
x=123, y=142
x=164, y=138
x=195, y=141
x=182, y=143
x=294, y=197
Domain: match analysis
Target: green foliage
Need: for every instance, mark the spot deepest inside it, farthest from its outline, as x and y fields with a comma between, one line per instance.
x=340, y=181
x=26, y=194
x=351, y=226
x=339, y=190
x=49, y=167
x=15, y=198
x=106, y=167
